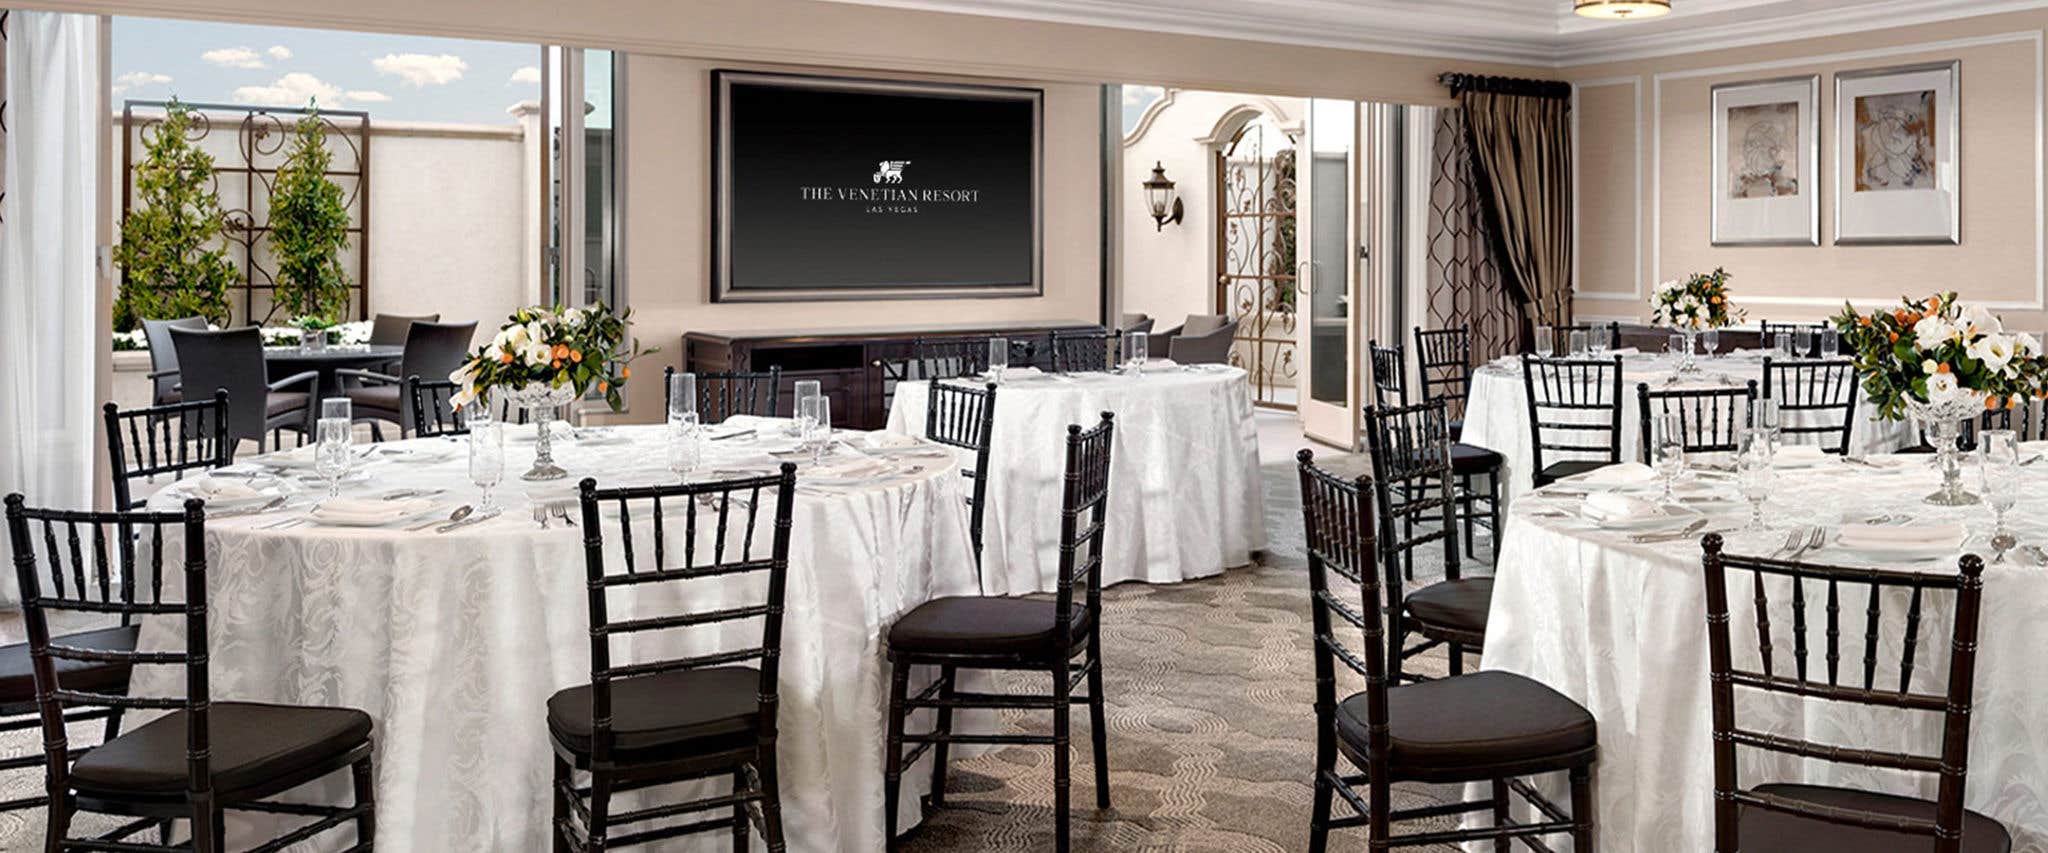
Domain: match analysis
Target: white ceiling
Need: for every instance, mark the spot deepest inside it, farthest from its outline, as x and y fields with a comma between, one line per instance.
x=1538, y=32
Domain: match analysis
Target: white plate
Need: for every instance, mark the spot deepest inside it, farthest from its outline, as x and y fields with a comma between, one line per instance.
x=1665, y=517
x=404, y=510
x=1903, y=553
x=267, y=489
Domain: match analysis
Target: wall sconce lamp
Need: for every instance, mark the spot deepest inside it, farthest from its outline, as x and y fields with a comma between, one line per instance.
x=1165, y=202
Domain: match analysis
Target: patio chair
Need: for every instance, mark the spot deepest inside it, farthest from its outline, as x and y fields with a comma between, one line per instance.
x=232, y=359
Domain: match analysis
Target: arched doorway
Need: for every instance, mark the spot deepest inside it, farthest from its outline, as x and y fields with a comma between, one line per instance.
x=1255, y=255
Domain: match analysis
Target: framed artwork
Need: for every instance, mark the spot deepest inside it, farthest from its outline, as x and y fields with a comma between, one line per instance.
x=1766, y=168
x=1897, y=146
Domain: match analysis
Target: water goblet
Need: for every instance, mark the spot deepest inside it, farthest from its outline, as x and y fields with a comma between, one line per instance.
x=685, y=446
x=332, y=456
x=1576, y=344
x=1546, y=342
x=998, y=358
x=1667, y=447
x=1754, y=475
x=486, y=457
x=1135, y=349
x=1802, y=342
x=1711, y=341
x=1597, y=342
x=682, y=396
x=2000, y=470
x=1782, y=341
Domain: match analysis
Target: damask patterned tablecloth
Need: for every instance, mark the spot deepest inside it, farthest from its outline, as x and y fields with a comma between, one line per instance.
x=453, y=642
x=1620, y=626
x=1185, y=498
x=1497, y=409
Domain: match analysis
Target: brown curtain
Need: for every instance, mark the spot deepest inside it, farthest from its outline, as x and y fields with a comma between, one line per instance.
x=1464, y=282
x=1521, y=153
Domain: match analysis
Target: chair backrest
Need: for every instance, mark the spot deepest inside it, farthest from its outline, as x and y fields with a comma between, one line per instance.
x=169, y=439
x=964, y=416
x=1411, y=480
x=1389, y=374
x=436, y=349
x=1815, y=397
x=1768, y=331
x=1202, y=324
x=73, y=563
x=730, y=513
x=1082, y=351
x=1561, y=335
x=1839, y=586
x=1708, y=417
x=722, y=395
x=1337, y=520
x=1443, y=365
x=1574, y=408
x=163, y=355
x=390, y=330
x=1084, y=503
x=433, y=412
x=2028, y=418
x=231, y=359
x=1135, y=323
x=933, y=359
x=1210, y=346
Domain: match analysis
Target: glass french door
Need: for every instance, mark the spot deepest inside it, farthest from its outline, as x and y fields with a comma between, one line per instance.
x=1327, y=273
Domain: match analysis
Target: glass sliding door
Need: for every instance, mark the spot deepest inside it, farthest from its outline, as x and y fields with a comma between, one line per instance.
x=1327, y=274
x=583, y=247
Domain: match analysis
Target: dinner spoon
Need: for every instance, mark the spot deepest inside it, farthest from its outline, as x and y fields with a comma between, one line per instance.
x=459, y=514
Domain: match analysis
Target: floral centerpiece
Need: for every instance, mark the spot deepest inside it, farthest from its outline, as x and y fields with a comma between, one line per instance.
x=544, y=357
x=1694, y=303
x=1939, y=361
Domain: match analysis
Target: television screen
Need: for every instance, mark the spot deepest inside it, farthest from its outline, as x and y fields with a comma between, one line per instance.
x=829, y=188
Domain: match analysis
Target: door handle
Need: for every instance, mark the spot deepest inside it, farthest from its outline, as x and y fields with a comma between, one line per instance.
x=1305, y=277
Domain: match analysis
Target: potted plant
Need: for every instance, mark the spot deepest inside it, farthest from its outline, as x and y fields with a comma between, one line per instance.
x=172, y=266
x=309, y=230
x=312, y=331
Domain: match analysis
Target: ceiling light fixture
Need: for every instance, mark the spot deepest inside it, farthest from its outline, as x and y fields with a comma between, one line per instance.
x=1621, y=10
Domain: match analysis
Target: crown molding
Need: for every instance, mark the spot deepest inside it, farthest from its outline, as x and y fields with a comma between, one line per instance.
x=1780, y=28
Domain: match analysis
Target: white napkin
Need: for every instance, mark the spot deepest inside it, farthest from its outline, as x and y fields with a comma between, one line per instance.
x=368, y=510
x=297, y=457
x=1619, y=474
x=1625, y=351
x=216, y=489
x=1014, y=372
x=1947, y=536
x=1800, y=455
x=858, y=469
x=1615, y=506
x=884, y=440
x=1154, y=365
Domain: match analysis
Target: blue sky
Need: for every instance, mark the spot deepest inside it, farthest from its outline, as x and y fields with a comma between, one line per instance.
x=393, y=77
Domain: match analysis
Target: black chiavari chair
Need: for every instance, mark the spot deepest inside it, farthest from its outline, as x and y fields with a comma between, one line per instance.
x=722, y=395
x=1574, y=410
x=933, y=359
x=964, y=416
x=1708, y=417
x=1816, y=397
x=1562, y=335
x=1083, y=351
x=434, y=414
x=1443, y=365
x=2027, y=418
x=1767, y=331
x=1411, y=475
x=1390, y=370
x=204, y=757
x=1060, y=636
x=672, y=719
x=1820, y=819
x=1389, y=375
x=1483, y=727
x=169, y=439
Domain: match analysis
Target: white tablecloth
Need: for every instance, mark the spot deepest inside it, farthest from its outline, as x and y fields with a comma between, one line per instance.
x=453, y=642
x=1184, y=488
x=1497, y=410
x=1621, y=628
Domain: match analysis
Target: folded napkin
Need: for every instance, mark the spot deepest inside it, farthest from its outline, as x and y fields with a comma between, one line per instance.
x=1625, y=351
x=1800, y=455
x=368, y=510
x=1011, y=372
x=858, y=469
x=885, y=440
x=1615, y=506
x=216, y=489
x=1904, y=537
x=1618, y=474
x=1153, y=365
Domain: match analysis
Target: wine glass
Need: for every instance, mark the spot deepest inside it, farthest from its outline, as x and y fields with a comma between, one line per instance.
x=803, y=389
x=1783, y=342
x=1802, y=342
x=1710, y=340
x=807, y=419
x=1754, y=475
x=2000, y=470
x=1830, y=342
x=1767, y=417
x=685, y=446
x=1546, y=343
x=1674, y=346
x=1135, y=345
x=332, y=455
x=1597, y=342
x=821, y=439
x=1667, y=446
x=998, y=358
x=1575, y=343
x=682, y=396
x=486, y=457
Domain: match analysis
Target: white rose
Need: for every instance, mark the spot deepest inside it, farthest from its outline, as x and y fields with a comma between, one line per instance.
x=537, y=354
x=1941, y=387
x=2026, y=345
x=1982, y=321
x=463, y=397
x=1996, y=351
x=1928, y=366
x=1933, y=331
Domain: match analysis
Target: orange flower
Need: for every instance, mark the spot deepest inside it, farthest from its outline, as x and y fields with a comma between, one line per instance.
x=1941, y=368
x=576, y=355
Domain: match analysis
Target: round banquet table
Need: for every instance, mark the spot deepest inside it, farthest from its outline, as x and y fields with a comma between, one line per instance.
x=453, y=642
x=287, y=360
x=1184, y=487
x=1497, y=409
x=1620, y=626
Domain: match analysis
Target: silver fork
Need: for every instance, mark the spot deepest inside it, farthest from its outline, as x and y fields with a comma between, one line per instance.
x=1792, y=541
x=563, y=513
x=1813, y=540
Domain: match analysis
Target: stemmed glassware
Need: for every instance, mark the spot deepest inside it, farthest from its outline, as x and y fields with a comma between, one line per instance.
x=1675, y=346
x=1769, y=419
x=1576, y=344
x=1802, y=342
x=486, y=452
x=998, y=358
x=1783, y=344
x=1710, y=339
x=1597, y=342
x=685, y=452
x=1667, y=447
x=2000, y=470
x=1830, y=342
x=1754, y=475
x=1546, y=341
x=332, y=455
x=821, y=429
x=1135, y=346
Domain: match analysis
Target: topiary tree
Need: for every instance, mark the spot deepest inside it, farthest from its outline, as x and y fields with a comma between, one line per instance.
x=169, y=240
x=309, y=228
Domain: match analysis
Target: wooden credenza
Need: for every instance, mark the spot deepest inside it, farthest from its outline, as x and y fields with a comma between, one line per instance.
x=843, y=361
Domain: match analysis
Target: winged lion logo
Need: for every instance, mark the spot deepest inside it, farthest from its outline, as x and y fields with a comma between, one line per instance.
x=890, y=171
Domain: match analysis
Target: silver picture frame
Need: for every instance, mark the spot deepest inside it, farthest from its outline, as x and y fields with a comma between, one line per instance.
x=1777, y=221
x=1851, y=225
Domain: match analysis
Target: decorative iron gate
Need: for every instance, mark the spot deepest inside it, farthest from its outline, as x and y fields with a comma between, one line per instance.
x=1255, y=181
x=245, y=172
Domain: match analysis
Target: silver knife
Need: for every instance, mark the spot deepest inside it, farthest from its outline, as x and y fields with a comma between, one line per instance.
x=486, y=515
x=741, y=433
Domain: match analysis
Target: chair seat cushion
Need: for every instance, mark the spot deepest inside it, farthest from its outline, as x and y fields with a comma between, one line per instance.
x=18, y=680
x=251, y=744
x=713, y=709
x=281, y=402
x=1459, y=605
x=1465, y=726
x=1468, y=459
x=383, y=398
x=976, y=625
x=1764, y=831
x=1559, y=470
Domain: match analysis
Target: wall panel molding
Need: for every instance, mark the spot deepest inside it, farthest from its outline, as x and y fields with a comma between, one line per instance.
x=1636, y=291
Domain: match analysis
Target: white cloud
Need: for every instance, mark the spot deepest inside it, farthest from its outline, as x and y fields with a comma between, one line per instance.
x=364, y=96
x=1135, y=95
x=292, y=90
x=279, y=52
x=419, y=69
x=233, y=57
x=526, y=74
x=139, y=79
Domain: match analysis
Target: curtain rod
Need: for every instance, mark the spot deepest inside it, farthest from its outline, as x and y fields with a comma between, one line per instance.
x=1457, y=82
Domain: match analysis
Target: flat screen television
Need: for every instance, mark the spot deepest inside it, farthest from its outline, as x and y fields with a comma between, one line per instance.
x=839, y=188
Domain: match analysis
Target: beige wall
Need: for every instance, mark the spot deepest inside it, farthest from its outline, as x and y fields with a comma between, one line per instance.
x=1644, y=205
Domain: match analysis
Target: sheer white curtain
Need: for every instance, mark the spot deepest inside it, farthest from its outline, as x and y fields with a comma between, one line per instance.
x=47, y=281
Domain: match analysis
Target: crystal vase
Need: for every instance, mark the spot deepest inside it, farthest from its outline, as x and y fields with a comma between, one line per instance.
x=1942, y=424
x=540, y=402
